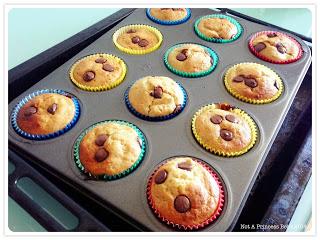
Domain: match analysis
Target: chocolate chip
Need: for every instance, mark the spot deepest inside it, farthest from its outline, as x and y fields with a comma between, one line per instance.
x=101, y=155
x=101, y=139
x=139, y=142
x=160, y=177
x=250, y=82
x=107, y=67
x=157, y=92
x=165, y=8
x=100, y=60
x=216, y=119
x=52, y=109
x=184, y=51
x=281, y=48
x=131, y=31
x=135, y=39
x=177, y=9
x=143, y=43
x=226, y=134
x=211, y=61
x=30, y=111
x=181, y=57
x=88, y=76
x=185, y=166
x=182, y=204
x=225, y=106
x=260, y=46
x=276, y=85
x=238, y=79
x=177, y=109
x=231, y=118
x=271, y=35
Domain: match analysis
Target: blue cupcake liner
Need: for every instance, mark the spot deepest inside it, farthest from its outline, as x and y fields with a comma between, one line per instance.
x=76, y=153
x=155, y=119
x=213, y=54
x=162, y=22
x=44, y=136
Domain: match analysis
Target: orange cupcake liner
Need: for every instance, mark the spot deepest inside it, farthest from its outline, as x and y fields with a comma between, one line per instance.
x=211, y=219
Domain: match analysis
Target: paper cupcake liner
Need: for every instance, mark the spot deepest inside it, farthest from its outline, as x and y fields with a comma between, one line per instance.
x=160, y=118
x=218, y=40
x=251, y=100
x=100, y=88
x=162, y=22
x=212, y=53
x=210, y=220
x=257, y=54
x=238, y=111
x=76, y=152
x=136, y=26
x=27, y=135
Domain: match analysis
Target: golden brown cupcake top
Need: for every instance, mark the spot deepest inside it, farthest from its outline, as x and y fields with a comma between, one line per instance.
x=184, y=192
x=156, y=96
x=109, y=148
x=253, y=81
x=168, y=14
x=275, y=46
x=222, y=129
x=220, y=28
x=138, y=39
x=190, y=58
x=46, y=113
x=97, y=70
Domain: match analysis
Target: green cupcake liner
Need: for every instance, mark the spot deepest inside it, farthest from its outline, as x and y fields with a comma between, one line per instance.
x=218, y=40
x=76, y=154
x=214, y=56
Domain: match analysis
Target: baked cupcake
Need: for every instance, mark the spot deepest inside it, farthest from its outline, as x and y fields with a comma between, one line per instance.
x=156, y=98
x=190, y=60
x=224, y=130
x=185, y=193
x=169, y=16
x=275, y=47
x=253, y=83
x=137, y=39
x=109, y=149
x=218, y=28
x=45, y=114
x=98, y=72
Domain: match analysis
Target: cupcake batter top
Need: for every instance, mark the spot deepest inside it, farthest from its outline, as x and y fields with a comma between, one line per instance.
x=46, y=113
x=97, y=70
x=253, y=81
x=184, y=192
x=220, y=28
x=156, y=96
x=275, y=46
x=168, y=14
x=109, y=148
x=190, y=58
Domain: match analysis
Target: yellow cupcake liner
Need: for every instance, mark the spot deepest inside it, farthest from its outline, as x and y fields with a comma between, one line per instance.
x=251, y=100
x=104, y=87
x=237, y=111
x=137, y=26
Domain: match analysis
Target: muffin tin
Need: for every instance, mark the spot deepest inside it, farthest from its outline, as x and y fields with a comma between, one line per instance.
x=165, y=139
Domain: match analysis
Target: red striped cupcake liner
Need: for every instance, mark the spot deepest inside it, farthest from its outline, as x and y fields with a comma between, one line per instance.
x=214, y=216
x=252, y=49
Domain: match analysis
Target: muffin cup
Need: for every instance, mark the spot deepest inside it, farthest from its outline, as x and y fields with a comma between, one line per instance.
x=137, y=26
x=162, y=22
x=100, y=88
x=212, y=53
x=76, y=152
x=161, y=118
x=250, y=100
x=212, y=218
x=218, y=40
x=257, y=54
x=27, y=135
x=238, y=111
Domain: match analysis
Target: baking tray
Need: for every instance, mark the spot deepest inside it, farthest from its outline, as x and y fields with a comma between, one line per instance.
x=165, y=139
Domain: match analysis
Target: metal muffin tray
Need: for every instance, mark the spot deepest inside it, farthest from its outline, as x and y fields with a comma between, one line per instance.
x=127, y=196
